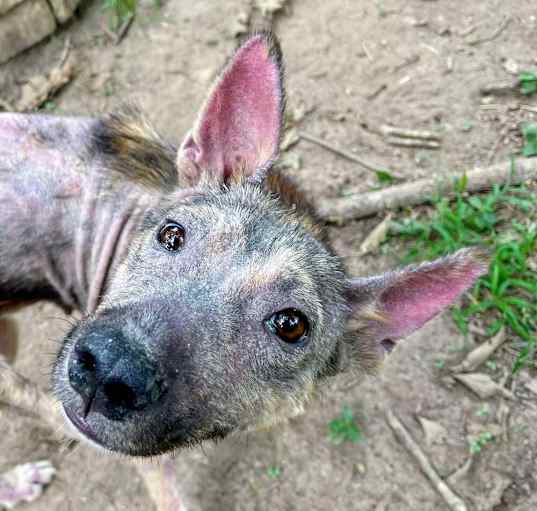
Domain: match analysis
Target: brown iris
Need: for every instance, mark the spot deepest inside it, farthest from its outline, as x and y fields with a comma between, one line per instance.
x=290, y=325
x=171, y=236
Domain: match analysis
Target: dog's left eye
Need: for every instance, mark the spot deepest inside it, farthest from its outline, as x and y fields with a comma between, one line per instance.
x=290, y=325
x=171, y=236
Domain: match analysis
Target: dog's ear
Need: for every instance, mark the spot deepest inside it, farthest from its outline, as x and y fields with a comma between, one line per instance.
x=389, y=307
x=237, y=133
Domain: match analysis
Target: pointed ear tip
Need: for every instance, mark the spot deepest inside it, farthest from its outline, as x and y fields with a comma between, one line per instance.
x=478, y=257
x=268, y=40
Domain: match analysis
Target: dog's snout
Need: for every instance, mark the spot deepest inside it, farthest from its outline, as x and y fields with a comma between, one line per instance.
x=113, y=376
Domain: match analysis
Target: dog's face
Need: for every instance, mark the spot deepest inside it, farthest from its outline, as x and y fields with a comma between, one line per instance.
x=225, y=313
x=227, y=310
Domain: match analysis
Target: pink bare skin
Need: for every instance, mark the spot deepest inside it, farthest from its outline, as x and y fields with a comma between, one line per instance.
x=64, y=228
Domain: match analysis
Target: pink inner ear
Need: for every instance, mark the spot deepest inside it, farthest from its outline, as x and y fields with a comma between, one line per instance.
x=239, y=127
x=416, y=296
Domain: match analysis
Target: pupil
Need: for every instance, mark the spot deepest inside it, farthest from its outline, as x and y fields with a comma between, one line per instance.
x=172, y=237
x=290, y=325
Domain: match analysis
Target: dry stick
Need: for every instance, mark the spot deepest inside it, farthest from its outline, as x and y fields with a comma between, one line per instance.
x=494, y=149
x=340, y=152
x=420, y=191
x=377, y=91
x=454, y=502
x=409, y=133
x=66, y=51
x=503, y=25
x=500, y=88
x=123, y=29
x=413, y=142
x=529, y=108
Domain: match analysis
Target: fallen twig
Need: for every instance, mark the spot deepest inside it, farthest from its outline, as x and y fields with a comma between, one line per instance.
x=410, y=138
x=492, y=152
x=500, y=88
x=42, y=87
x=340, y=152
x=407, y=62
x=409, y=133
x=503, y=25
x=420, y=191
x=460, y=472
x=529, y=108
x=123, y=29
x=453, y=501
x=413, y=142
x=502, y=416
x=66, y=52
x=377, y=91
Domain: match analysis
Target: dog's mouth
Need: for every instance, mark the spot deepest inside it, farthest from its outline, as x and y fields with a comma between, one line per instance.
x=81, y=425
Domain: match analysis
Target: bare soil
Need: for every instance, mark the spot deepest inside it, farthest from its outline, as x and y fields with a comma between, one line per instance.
x=353, y=66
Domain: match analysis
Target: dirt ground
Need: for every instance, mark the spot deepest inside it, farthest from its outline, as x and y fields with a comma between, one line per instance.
x=353, y=65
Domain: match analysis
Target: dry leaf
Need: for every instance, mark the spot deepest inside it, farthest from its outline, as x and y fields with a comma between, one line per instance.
x=376, y=236
x=269, y=7
x=483, y=385
x=480, y=354
x=434, y=432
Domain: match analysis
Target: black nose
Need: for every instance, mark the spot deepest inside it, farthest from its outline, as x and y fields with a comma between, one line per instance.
x=114, y=377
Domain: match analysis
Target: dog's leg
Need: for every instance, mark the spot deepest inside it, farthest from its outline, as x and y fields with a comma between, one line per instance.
x=162, y=484
x=19, y=392
x=25, y=483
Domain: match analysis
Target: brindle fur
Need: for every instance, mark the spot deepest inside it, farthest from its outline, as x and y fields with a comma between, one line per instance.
x=253, y=247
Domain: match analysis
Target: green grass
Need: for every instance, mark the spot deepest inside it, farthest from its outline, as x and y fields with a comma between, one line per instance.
x=344, y=428
x=530, y=139
x=273, y=472
x=483, y=439
x=528, y=82
x=119, y=11
x=505, y=221
x=483, y=411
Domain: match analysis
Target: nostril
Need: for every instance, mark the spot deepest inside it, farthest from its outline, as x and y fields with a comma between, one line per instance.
x=120, y=395
x=87, y=361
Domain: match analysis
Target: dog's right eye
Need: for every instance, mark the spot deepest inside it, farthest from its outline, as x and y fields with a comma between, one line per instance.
x=290, y=325
x=171, y=236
